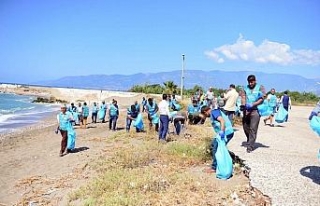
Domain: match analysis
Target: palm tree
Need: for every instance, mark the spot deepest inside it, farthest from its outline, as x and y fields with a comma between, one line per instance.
x=170, y=87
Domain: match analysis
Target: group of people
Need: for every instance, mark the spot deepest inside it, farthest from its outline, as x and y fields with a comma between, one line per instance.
x=159, y=116
x=226, y=102
x=247, y=102
x=220, y=110
x=81, y=113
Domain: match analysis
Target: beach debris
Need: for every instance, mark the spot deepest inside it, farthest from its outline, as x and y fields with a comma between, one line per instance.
x=39, y=190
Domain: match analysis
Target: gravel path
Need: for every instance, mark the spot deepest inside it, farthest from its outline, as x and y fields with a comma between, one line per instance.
x=285, y=165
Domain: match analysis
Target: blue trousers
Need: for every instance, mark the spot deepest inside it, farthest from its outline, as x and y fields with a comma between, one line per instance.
x=94, y=117
x=128, y=124
x=214, y=145
x=164, y=125
x=287, y=109
x=177, y=122
x=113, y=122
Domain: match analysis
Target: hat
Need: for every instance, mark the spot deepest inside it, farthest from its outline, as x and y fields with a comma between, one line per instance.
x=63, y=106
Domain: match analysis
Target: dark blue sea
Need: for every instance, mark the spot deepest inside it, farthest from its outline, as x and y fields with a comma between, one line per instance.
x=18, y=111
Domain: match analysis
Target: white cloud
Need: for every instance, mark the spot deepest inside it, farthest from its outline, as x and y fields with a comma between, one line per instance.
x=266, y=52
x=214, y=56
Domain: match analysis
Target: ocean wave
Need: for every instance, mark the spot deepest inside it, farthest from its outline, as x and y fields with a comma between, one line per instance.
x=15, y=109
x=24, y=100
x=19, y=121
x=32, y=112
x=14, y=121
x=39, y=112
x=4, y=118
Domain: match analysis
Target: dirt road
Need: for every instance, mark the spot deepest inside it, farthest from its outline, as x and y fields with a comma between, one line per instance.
x=285, y=166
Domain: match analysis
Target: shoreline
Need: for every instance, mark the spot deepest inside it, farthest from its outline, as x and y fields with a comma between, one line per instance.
x=43, y=123
x=22, y=112
x=69, y=94
x=66, y=94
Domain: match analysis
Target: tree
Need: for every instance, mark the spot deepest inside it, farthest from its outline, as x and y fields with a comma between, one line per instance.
x=170, y=87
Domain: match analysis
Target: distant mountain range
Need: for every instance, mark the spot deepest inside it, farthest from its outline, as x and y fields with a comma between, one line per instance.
x=205, y=79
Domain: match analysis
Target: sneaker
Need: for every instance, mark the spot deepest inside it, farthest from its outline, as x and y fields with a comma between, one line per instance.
x=60, y=154
x=272, y=125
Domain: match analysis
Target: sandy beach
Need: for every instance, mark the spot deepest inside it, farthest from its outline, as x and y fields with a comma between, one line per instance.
x=32, y=171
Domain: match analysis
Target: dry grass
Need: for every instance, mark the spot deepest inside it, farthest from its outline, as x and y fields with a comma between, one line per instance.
x=144, y=172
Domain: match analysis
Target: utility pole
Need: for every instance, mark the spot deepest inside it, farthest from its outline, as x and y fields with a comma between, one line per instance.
x=182, y=75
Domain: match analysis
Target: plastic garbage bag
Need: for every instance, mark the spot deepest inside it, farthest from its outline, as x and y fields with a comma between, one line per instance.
x=176, y=106
x=315, y=124
x=155, y=118
x=71, y=138
x=224, y=161
x=281, y=115
x=101, y=114
x=138, y=122
x=264, y=109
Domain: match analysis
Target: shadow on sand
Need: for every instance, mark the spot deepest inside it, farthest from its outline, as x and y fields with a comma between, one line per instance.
x=275, y=125
x=312, y=172
x=91, y=127
x=79, y=149
x=279, y=125
x=120, y=128
x=256, y=145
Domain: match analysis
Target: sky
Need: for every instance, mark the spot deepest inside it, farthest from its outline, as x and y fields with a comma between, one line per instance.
x=46, y=40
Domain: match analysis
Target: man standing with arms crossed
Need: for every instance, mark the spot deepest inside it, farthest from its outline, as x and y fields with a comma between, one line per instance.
x=251, y=97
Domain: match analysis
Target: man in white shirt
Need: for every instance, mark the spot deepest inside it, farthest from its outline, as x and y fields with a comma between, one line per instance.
x=79, y=111
x=230, y=102
x=210, y=97
x=164, y=118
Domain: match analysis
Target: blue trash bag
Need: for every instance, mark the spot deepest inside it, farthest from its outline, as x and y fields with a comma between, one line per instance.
x=264, y=109
x=176, y=106
x=101, y=114
x=224, y=160
x=315, y=124
x=155, y=118
x=281, y=115
x=172, y=114
x=71, y=137
x=138, y=122
x=75, y=117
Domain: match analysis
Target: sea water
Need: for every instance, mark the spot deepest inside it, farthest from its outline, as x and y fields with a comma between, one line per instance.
x=18, y=111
